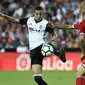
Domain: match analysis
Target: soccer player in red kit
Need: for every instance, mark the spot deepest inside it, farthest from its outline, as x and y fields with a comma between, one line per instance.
x=80, y=78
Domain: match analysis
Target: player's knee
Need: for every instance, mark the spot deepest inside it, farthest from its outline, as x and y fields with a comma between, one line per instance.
x=36, y=69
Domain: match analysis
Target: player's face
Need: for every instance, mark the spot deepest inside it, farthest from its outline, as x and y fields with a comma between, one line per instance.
x=83, y=13
x=38, y=14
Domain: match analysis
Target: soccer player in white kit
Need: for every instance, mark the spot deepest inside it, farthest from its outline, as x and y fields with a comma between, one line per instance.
x=37, y=28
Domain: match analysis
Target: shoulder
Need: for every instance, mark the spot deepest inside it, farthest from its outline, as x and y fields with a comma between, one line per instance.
x=82, y=23
x=23, y=21
x=44, y=20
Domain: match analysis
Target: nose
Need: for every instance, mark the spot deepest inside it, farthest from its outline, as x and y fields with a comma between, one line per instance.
x=38, y=16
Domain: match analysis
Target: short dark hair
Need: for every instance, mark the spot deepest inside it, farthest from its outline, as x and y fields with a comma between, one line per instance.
x=38, y=8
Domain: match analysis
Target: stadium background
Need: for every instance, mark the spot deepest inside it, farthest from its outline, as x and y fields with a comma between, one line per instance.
x=14, y=61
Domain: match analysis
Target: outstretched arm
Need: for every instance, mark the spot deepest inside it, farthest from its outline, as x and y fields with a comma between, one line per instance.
x=64, y=26
x=10, y=19
x=60, y=26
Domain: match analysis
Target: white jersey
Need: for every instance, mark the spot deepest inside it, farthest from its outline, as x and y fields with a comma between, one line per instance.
x=36, y=32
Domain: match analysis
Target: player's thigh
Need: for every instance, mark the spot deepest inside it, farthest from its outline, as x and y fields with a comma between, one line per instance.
x=36, y=60
x=36, y=56
x=36, y=69
x=81, y=70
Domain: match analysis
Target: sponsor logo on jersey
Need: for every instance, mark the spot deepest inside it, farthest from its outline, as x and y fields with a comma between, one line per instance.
x=32, y=29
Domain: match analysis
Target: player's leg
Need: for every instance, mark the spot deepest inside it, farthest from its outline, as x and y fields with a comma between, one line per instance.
x=60, y=53
x=36, y=62
x=80, y=79
x=37, y=74
x=81, y=70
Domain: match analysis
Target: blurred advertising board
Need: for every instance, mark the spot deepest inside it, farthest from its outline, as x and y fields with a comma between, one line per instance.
x=21, y=62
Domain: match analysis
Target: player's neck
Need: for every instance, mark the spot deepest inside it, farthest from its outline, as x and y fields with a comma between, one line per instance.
x=37, y=20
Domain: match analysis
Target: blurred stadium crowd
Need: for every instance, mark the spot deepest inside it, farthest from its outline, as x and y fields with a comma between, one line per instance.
x=62, y=11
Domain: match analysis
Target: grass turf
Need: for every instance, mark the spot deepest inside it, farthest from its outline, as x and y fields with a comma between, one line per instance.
x=25, y=78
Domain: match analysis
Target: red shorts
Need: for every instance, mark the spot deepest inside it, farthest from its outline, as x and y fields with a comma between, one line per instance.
x=83, y=63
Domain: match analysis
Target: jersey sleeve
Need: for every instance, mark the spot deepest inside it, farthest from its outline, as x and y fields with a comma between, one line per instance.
x=80, y=27
x=76, y=26
x=23, y=21
x=49, y=29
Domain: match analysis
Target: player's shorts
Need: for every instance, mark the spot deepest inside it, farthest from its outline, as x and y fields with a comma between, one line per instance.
x=83, y=63
x=36, y=56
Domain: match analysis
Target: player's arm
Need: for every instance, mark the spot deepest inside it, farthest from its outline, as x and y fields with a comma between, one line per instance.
x=60, y=26
x=10, y=19
x=50, y=29
x=64, y=26
x=82, y=45
x=22, y=21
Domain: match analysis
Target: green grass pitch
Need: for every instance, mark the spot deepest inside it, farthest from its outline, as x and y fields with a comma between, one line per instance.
x=25, y=78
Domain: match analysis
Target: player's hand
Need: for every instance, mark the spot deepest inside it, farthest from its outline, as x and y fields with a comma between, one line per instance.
x=70, y=26
x=82, y=57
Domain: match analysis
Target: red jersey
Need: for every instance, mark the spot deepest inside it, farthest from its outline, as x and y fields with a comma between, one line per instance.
x=80, y=27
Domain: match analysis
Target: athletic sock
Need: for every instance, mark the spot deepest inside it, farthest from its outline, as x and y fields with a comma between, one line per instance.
x=80, y=81
x=39, y=80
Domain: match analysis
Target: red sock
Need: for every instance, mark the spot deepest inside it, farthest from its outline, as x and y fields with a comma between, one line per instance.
x=80, y=81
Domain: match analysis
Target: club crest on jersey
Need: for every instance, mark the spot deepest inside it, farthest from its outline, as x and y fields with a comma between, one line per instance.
x=40, y=26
